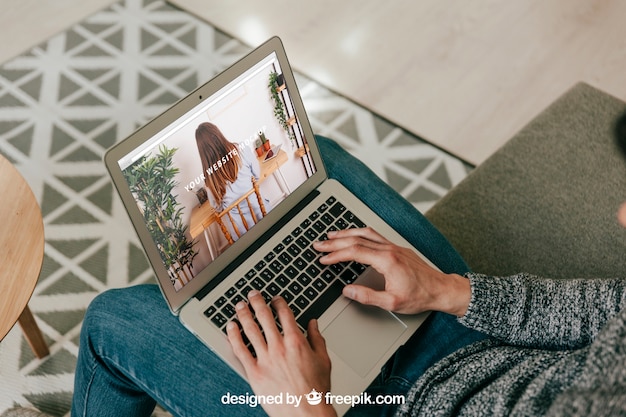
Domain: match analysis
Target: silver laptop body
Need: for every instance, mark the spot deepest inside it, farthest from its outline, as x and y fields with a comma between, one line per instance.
x=202, y=273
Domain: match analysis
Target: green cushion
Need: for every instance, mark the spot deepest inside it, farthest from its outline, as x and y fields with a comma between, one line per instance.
x=546, y=202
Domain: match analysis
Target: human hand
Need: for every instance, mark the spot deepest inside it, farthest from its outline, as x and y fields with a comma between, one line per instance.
x=288, y=363
x=411, y=284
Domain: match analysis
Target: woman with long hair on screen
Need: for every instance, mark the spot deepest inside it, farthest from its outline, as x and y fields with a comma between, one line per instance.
x=228, y=171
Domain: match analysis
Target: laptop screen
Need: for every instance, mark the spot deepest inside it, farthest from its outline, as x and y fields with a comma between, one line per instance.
x=207, y=178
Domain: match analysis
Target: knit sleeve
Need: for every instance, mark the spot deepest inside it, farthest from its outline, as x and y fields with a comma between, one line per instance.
x=529, y=311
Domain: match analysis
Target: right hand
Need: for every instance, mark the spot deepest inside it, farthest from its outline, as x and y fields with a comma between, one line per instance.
x=411, y=284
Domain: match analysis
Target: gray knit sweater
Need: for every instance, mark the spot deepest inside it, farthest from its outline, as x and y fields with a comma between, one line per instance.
x=558, y=349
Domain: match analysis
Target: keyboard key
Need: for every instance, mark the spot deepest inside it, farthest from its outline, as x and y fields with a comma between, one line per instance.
x=311, y=234
x=303, y=242
x=304, y=279
x=276, y=266
x=337, y=210
x=319, y=226
x=336, y=268
x=310, y=293
x=295, y=288
x=309, y=255
x=300, y=263
x=239, y=284
x=302, y=302
x=282, y=280
x=257, y=283
x=246, y=291
x=228, y=310
x=348, y=276
x=231, y=291
x=267, y=275
x=328, y=219
x=210, y=311
x=313, y=271
x=236, y=299
x=294, y=250
x=285, y=258
x=291, y=271
x=279, y=248
x=287, y=296
x=319, y=285
x=219, y=320
x=220, y=301
x=341, y=224
x=327, y=275
x=353, y=219
x=273, y=289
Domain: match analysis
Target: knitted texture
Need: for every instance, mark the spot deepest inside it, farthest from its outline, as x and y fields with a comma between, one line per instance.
x=558, y=348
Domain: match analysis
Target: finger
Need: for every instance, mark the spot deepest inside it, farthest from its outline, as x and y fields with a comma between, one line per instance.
x=264, y=316
x=353, y=249
x=369, y=296
x=285, y=316
x=343, y=239
x=316, y=340
x=239, y=347
x=333, y=245
x=250, y=327
x=364, y=232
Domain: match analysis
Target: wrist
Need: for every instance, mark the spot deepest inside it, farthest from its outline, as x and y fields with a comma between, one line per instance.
x=455, y=296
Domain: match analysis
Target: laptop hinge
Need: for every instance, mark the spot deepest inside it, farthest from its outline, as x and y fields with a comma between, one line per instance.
x=256, y=245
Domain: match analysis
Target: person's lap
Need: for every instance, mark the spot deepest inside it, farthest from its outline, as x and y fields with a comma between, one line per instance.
x=133, y=345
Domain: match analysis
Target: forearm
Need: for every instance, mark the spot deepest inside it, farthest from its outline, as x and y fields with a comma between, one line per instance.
x=544, y=313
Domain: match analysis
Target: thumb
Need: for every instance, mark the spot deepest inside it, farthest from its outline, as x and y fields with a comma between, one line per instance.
x=316, y=340
x=368, y=296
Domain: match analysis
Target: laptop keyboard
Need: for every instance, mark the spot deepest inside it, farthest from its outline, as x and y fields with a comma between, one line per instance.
x=293, y=271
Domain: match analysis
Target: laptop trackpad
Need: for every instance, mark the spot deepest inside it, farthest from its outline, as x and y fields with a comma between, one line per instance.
x=360, y=335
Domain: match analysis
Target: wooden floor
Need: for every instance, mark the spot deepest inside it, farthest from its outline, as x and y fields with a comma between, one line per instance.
x=463, y=75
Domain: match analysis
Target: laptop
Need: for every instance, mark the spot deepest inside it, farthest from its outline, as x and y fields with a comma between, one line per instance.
x=165, y=185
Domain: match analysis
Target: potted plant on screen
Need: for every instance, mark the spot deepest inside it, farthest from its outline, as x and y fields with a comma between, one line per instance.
x=276, y=85
x=152, y=180
x=264, y=141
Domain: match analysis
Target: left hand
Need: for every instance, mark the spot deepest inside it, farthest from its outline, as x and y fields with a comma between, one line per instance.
x=285, y=363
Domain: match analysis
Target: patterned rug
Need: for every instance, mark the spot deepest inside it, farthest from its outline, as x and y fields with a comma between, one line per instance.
x=63, y=103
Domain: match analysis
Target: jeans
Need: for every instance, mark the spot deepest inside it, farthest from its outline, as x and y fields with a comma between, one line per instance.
x=135, y=353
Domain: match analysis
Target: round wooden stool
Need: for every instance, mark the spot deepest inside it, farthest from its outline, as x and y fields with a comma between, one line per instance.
x=21, y=255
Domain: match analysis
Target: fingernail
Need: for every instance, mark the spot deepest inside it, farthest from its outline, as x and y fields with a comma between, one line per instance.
x=240, y=305
x=253, y=293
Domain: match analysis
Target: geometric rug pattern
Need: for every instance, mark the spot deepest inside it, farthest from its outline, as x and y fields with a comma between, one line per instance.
x=63, y=103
